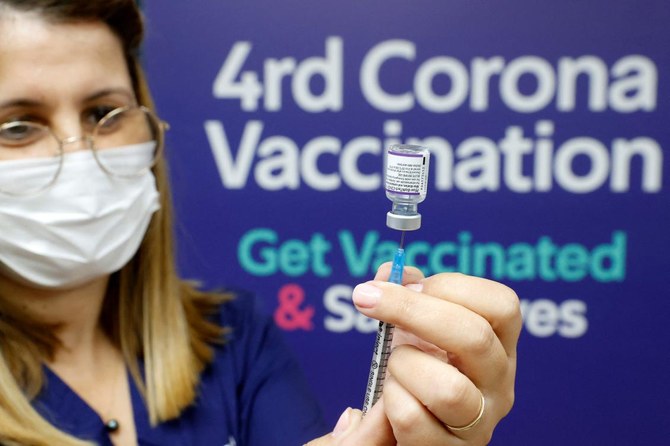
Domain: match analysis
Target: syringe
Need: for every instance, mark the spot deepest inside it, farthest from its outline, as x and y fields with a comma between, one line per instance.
x=382, y=350
x=406, y=185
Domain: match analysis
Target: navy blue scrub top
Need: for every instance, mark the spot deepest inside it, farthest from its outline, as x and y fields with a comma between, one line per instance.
x=253, y=394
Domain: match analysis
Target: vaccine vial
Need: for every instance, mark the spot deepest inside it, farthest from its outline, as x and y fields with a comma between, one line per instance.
x=406, y=183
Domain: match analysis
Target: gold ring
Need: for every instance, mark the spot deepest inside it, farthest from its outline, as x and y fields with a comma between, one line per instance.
x=474, y=422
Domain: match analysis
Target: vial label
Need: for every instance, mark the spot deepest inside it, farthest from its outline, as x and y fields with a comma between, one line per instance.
x=407, y=173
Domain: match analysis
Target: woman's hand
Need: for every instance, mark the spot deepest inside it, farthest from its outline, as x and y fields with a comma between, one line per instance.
x=354, y=430
x=450, y=377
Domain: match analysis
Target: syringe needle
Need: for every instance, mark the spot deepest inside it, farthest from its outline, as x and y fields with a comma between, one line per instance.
x=397, y=267
x=402, y=239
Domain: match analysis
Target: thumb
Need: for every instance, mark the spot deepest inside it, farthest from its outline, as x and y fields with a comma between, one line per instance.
x=348, y=422
x=353, y=430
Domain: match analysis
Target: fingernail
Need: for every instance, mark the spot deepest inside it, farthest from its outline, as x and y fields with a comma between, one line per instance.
x=342, y=423
x=418, y=287
x=366, y=295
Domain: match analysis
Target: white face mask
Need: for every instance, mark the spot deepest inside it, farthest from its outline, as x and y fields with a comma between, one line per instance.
x=86, y=225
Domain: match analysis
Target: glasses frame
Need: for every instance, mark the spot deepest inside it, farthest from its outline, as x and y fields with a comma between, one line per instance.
x=89, y=141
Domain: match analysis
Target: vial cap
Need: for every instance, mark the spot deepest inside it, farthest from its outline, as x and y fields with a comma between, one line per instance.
x=403, y=222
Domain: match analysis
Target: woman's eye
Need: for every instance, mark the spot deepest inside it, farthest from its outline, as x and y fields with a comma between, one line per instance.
x=94, y=115
x=19, y=133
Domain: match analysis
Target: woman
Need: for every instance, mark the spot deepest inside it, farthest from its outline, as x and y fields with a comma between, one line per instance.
x=102, y=343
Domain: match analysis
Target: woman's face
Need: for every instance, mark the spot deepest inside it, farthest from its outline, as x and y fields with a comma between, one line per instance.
x=63, y=75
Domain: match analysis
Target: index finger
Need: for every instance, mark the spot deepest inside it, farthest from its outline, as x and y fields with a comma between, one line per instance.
x=497, y=303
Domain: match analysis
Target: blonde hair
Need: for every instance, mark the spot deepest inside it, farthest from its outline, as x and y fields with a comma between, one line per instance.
x=148, y=311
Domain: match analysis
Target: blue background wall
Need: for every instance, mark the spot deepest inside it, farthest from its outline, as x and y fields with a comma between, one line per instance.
x=531, y=183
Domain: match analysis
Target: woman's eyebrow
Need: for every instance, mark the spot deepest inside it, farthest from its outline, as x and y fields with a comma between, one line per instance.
x=25, y=102
x=20, y=103
x=111, y=91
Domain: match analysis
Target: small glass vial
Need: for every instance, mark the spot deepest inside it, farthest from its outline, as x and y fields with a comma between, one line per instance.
x=406, y=183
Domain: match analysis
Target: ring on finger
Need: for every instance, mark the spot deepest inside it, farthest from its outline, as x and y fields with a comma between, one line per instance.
x=473, y=423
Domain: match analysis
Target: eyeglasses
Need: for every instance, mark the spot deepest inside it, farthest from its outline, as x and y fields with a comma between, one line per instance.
x=26, y=142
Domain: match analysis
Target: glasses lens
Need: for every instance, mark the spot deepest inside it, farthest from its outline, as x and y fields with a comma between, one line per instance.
x=30, y=158
x=127, y=141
